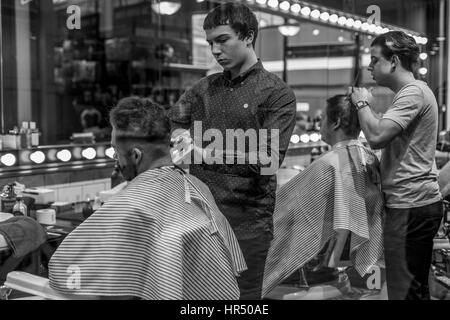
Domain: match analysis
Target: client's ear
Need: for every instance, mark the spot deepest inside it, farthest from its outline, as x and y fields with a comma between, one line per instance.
x=337, y=124
x=136, y=155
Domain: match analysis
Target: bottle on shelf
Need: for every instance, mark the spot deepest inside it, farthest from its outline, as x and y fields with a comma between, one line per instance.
x=97, y=204
x=87, y=209
x=8, y=199
x=20, y=209
x=25, y=136
x=34, y=134
x=14, y=139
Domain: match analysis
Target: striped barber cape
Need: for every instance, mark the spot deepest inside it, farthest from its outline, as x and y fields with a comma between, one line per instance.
x=340, y=190
x=161, y=238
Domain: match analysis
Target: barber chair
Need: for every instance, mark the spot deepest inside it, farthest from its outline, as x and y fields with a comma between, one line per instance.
x=20, y=273
x=34, y=288
x=337, y=289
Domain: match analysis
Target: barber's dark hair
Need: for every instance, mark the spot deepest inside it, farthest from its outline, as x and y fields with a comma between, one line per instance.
x=400, y=44
x=238, y=16
x=141, y=119
x=340, y=107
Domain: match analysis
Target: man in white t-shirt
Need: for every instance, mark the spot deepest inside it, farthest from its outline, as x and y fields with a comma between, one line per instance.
x=407, y=133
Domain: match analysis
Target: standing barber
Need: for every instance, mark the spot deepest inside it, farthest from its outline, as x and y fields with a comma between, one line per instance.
x=407, y=134
x=243, y=98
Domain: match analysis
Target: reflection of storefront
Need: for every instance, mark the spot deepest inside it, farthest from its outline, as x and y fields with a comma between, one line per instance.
x=331, y=51
x=67, y=79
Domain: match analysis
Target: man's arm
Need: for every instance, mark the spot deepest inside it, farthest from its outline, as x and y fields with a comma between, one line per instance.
x=180, y=113
x=282, y=108
x=379, y=132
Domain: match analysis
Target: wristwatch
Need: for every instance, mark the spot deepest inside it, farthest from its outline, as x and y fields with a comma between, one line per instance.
x=361, y=104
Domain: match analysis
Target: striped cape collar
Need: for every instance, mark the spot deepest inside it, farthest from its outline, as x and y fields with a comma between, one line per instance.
x=347, y=143
x=155, y=173
x=192, y=191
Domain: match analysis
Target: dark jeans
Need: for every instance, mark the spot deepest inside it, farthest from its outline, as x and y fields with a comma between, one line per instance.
x=255, y=253
x=408, y=246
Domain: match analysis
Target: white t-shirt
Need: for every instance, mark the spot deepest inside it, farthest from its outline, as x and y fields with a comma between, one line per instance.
x=408, y=170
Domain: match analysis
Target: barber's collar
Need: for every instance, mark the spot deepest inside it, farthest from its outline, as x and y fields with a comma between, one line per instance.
x=244, y=75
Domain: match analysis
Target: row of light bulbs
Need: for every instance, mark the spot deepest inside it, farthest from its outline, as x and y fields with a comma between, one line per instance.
x=65, y=155
x=331, y=18
x=306, y=138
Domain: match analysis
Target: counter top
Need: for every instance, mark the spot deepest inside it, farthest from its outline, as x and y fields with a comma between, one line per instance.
x=66, y=222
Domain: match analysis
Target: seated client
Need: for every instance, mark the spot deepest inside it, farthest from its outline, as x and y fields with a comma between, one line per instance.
x=162, y=237
x=336, y=196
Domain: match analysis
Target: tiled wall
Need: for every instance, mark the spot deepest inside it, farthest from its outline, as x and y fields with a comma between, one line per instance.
x=80, y=191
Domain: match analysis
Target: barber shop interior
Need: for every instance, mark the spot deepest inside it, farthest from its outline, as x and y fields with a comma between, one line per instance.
x=322, y=173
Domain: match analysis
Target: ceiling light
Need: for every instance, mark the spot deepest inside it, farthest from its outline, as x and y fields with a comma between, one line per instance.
x=423, y=56
x=295, y=8
x=372, y=28
x=285, y=5
x=423, y=71
x=8, y=160
x=304, y=138
x=263, y=23
x=89, y=153
x=37, y=157
x=273, y=3
x=110, y=152
x=289, y=30
x=64, y=155
x=315, y=14
x=306, y=11
x=334, y=18
x=295, y=138
x=314, y=137
x=350, y=22
x=166, y=8
x=324, y=16
x=342, y=20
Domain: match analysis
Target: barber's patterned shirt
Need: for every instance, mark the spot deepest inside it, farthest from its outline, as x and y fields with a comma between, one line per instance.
x=257, y=99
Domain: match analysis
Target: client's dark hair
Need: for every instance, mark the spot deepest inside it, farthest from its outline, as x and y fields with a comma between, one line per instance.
x=340, y=107
x=139, y=118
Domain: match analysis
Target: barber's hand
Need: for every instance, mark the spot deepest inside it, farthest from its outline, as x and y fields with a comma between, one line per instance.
x=361, y=94
x=181, y=147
